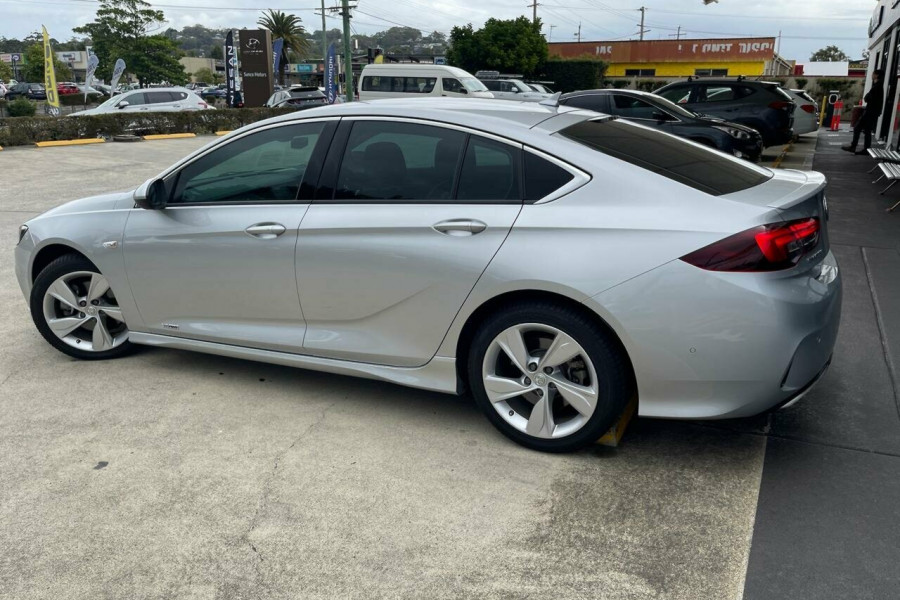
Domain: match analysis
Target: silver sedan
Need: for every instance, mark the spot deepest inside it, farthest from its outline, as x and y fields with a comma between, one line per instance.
x=553, y=261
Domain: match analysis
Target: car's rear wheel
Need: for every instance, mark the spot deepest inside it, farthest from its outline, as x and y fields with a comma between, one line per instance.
x=547, y=376
x=77, y=312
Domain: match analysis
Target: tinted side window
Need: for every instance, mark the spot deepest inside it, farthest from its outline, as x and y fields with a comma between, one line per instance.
x=679, y=95
x=490, y=172
x=493, y=86
x=542, y=177
x=399, y=161
x=717, y=93
x=700, y=168
x=158, y=97
x=631, y=107
x=267, y=166
x=135, y=99
x=451, y=85
x=588, y=101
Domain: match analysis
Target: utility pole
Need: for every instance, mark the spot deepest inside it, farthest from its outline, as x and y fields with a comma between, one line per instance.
x=678, y=35
x=348, y=57
x=643, y=10
x=578, y=35
x=534, y=6
x=778, y=50
x=324, y=41
x=552, y=27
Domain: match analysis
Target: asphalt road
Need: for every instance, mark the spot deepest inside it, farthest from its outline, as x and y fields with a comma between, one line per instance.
x=176, y=475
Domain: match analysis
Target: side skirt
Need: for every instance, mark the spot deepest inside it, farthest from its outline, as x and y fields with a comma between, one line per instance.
x=439, y=375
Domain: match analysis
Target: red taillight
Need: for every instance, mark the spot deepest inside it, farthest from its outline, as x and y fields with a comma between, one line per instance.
x=808, y=108
x=781, y=104
x=765, y=248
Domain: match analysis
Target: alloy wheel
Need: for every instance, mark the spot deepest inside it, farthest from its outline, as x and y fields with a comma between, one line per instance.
x=540, y=380
x=82, y=311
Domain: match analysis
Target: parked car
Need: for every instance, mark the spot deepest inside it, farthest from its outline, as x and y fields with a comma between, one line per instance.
x=214, y=91
x=418, y=81
x=509, y=89
x=197, y=85
x=92, y=92
x=557, y=271
x=173, y=99
x=64, y=88
x=540, y=87
x=657, y=112
x=32, y=91
x=806, y=112
x=297, y=97
x=104, y=89
x=762, y=105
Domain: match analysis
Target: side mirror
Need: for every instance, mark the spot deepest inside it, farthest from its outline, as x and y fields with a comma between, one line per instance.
x=463, y=91
x=151, y=195
x=122, y=104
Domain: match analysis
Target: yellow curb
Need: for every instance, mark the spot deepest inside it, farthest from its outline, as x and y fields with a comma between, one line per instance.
x=169, y=136
x=615, y=433
x=223, y=132
x=784, y=153
x=69, y=142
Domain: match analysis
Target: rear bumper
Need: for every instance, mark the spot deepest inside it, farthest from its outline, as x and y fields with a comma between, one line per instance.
x=724, y=345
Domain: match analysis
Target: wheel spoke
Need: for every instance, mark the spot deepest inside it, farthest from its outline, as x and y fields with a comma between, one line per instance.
x=503, y=388
x=98, y=287
x=541, y=424
x=62, y=292
x=102, y=340
x=514, y=346
x=561, y=350
x=66, y=325
x=581, y=398
x=113, y=312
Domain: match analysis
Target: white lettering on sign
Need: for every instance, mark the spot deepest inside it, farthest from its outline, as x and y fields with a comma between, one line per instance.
x=603, y=50
x=747, y=47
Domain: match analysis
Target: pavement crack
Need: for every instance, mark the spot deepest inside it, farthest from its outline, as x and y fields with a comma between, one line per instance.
x=263, y=501
x=879, y=320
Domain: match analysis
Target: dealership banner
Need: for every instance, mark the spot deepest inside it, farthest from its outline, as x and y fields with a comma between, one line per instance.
x=50, y=75
x=277, y=47
x=331, y=75
x=117, y=73
x=230, y=68
x=93, y=61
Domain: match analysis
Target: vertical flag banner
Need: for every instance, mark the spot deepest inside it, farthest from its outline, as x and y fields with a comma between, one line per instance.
x=117, y=74
x=277, y=47
x=92, y=63
x=230, y=68
x=331, y=75
x=50, y=75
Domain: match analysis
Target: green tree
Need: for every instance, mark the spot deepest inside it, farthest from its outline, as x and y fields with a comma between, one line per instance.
x=398, y=39
x=216, y=52
x=5, y=72
x=829, y=54
x=33, y=71
x=511, y=46
x=120, y=30
x=289, y=28
x=208, y=76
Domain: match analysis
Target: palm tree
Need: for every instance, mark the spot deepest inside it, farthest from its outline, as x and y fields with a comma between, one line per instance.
x=289, y=28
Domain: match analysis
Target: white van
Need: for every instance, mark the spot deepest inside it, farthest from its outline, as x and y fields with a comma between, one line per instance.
x=418, y=81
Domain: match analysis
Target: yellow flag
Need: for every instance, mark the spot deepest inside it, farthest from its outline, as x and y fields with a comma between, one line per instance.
x=379, y=59
x=50, y=75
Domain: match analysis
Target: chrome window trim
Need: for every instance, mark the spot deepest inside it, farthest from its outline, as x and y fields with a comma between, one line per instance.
x=580, y=178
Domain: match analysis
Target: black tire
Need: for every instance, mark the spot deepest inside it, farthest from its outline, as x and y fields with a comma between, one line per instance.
x=63, y=265
x=607, y=358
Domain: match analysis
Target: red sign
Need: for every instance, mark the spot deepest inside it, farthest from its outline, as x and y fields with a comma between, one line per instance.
x=737, y=49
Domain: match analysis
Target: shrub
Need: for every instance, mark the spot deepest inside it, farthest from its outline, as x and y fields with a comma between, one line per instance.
x=801, y=82
x=649, y=85
x=21, y=107
x=28, y=130
x=620, y=83
x=571, y=74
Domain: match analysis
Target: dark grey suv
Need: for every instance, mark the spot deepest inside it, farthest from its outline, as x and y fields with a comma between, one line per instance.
x=762, y=105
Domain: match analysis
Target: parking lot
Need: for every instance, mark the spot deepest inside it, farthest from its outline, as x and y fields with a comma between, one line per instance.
x=169, y=474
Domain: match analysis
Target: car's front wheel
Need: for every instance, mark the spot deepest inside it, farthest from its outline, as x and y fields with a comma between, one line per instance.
x=547, y=376
x=77, y=312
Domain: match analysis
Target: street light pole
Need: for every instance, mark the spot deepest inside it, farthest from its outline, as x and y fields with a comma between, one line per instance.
x=324, y=39
x=348, y=58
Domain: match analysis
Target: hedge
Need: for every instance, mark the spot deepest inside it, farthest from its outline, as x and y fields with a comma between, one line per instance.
x=28, y=130
x=571, y=74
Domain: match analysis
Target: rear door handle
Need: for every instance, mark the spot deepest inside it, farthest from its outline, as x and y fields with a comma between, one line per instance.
x=460, y=227
x=266, y=231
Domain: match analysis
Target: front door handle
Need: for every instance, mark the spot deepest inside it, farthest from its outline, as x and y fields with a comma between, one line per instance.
x=460, y=227
x=266, y=231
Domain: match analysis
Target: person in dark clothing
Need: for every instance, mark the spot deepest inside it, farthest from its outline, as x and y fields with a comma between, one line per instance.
x=874, y=103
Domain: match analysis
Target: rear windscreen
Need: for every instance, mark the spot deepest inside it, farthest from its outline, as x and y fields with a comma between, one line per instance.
x=695, y=166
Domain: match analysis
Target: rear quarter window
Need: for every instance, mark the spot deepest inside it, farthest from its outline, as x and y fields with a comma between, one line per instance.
x=700, y=168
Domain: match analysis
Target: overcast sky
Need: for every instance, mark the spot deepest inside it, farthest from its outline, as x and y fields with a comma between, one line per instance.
x=806, y=25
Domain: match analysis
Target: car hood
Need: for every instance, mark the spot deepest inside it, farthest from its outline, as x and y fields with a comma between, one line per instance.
x=104, y=202
x=718, y=121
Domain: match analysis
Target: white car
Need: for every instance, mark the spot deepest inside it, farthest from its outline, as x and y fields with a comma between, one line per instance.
x=418, y=81
x=806, y=112
x=173, y=99
x=513, y=89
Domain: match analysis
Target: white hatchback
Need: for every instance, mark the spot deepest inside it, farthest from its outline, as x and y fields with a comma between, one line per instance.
x=172, y=99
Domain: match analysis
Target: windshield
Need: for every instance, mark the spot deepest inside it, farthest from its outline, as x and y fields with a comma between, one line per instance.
x=472, y=84
x=695, y=166
x=673, y=108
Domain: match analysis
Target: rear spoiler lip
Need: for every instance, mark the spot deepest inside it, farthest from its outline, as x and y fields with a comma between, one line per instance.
x=785, y=189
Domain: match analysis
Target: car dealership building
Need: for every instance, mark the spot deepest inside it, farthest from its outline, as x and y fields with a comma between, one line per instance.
x=884, y=55
x=749, y=57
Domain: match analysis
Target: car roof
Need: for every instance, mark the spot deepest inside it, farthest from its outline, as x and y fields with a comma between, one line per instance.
x=724, y=80
x=492, y=116
x=456, y=72
x=604, y=91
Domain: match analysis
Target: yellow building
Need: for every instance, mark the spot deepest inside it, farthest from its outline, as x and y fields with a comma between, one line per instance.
x=750, y=57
